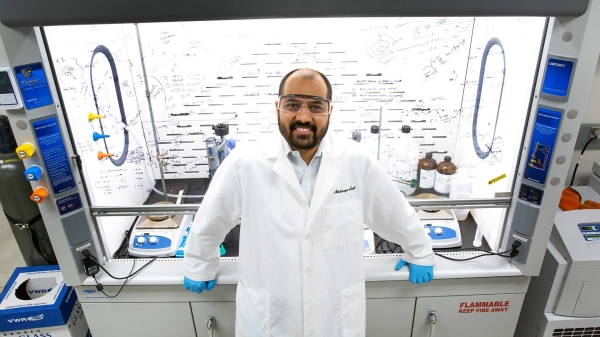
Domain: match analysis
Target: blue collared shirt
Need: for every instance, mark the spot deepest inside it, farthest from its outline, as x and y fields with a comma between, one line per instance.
x=306, y=174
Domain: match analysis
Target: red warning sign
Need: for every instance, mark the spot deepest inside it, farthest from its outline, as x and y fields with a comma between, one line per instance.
x=483, y=307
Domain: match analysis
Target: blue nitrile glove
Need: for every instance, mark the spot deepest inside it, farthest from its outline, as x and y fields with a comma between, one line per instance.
x=417, y=274
x=198, y=286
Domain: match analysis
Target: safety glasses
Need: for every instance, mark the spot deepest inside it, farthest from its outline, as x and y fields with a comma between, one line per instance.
x=292, y=104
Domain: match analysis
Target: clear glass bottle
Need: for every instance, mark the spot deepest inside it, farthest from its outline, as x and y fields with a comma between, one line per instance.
x=400, y=158
x=460, y=188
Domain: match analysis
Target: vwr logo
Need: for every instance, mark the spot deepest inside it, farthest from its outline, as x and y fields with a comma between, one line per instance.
x=28, y=319
x=562, y=65
x=40, y=291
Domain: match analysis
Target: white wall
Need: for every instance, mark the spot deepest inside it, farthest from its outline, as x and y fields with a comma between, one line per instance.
x=592, y=116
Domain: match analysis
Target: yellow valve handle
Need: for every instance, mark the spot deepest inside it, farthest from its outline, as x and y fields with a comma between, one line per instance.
x=92, y=116
x=25, y=151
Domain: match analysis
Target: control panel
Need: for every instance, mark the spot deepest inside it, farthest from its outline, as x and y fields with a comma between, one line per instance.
x=531, y=194
x=590, y=231
x=151, y=241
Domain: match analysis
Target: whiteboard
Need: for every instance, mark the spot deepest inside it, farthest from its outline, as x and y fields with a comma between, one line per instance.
x=421, y=72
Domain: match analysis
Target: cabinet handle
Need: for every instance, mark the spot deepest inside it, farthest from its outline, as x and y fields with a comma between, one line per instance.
x=432, y=323
x=211, y=323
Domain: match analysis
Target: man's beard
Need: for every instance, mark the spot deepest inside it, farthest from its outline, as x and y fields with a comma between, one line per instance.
x=303, y=142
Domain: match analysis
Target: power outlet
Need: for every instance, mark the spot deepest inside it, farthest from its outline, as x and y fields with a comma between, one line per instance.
x=594, y=130
x=524, y=248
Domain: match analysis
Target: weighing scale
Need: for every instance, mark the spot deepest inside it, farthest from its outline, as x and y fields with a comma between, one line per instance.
x=158, y=235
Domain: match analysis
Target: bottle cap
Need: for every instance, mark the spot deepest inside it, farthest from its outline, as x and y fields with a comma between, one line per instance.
x=405, y=129
x=447, y=158
x=375, y=129
x=428, y=155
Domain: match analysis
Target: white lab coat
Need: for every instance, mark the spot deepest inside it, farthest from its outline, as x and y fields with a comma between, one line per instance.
x=301, y=269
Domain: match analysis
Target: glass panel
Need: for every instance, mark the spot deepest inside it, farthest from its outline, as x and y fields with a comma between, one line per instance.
x=459, y=86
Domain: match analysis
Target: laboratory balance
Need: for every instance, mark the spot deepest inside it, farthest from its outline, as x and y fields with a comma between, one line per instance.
x=158, y=235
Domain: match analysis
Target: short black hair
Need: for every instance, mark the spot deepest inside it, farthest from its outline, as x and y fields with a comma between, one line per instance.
x=284, y=79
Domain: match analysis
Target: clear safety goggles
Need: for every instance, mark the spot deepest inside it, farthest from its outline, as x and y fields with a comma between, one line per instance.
x=292, y=104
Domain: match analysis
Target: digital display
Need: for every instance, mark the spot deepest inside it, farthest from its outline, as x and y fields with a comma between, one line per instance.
x=593, y=237
x=587, y=228
x=5, y=85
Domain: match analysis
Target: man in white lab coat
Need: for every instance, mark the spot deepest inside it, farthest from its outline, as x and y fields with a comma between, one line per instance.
x=304, y=197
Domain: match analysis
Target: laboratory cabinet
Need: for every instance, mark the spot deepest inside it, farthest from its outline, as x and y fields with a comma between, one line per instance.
x=398, y=317
x=467, y=316
x=222, y=315
x=140, y=319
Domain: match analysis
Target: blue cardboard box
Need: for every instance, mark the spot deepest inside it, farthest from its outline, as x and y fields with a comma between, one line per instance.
x=37, y=303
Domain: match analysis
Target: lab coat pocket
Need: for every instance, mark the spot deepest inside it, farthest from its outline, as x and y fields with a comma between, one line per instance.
x=252, y=312
x=342, y=225
x=354, y=311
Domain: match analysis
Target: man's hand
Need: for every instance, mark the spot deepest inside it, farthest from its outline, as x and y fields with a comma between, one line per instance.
x=198, y=286
x=417, y=274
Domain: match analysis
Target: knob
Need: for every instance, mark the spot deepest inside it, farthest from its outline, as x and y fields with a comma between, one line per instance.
x=427, y=231
x=438, y=231
x=96, y=136
x=33, y=173
x=39, y=194
x=92, y=116
x=25, y=151
x=102, y=155
x=141, y=240
x=153, y=239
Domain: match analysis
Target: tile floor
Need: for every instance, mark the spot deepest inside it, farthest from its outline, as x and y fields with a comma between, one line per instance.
x=10, y=256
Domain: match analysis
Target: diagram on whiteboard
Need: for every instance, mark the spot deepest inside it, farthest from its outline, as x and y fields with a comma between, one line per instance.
x=539, y=156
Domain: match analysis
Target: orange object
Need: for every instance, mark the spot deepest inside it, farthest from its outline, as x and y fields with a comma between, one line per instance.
x=589, y=204
x=102, y=155
x=39, y=194
x=570, y=200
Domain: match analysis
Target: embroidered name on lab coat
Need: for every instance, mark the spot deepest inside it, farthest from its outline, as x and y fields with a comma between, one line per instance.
x=351, y=188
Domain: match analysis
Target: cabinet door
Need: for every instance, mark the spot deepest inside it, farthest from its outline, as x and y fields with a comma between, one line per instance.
x=139, y=319
x=468, y=316
x=224, y=314
x=390, y=316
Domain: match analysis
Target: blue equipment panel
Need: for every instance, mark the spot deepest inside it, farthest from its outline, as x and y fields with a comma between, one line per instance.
x=531, y=194
x=447, y=233
x=558, y=77
x=54, y=154
x=69, y=204
x=33, y=84
x=590, y=231
x=542, y=144
x=180, y=249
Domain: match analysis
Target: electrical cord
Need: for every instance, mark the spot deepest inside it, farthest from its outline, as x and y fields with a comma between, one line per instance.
x=123, y=251
x=130, y=275
x=101, y=288
x=581, y=156
x=475, y=257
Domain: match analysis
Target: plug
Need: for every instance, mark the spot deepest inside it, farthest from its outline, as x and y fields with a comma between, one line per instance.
x=594, y=132
x=90, y=265
x=515, y=250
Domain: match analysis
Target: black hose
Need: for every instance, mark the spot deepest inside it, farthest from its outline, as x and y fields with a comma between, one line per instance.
x=103, y=50
x=581, y=155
